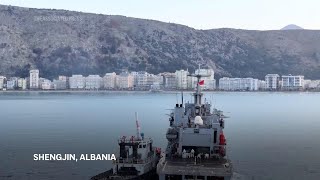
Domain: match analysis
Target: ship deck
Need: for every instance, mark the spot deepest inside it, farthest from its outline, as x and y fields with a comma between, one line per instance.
x=203, y=167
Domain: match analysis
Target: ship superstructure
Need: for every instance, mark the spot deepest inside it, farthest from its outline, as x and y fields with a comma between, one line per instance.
x=137, y=159
x=196, y=144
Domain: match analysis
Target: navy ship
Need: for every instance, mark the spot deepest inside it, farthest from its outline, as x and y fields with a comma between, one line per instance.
x=196, y=143
x=137, y=159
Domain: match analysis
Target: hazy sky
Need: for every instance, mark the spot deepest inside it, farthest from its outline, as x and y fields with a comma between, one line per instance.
x=200, y=14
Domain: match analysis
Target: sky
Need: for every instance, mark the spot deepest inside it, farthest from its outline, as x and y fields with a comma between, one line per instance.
x=199, y=14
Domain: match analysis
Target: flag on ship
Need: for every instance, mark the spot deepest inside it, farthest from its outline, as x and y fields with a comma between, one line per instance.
x=201, y=82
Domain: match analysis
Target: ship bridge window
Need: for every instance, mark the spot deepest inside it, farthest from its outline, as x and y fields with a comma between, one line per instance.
x=144, y=146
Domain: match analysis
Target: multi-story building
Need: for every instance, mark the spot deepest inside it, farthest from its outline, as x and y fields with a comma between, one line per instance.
x=312, y=84
x=238, y=84
x=143, y=80
x=93, y=82
x=262, y=85
x=124, y=81
x=22, y=84
x=46, y=84
x=181, y=79
x=2, y=82
x=272, y=81
x=169, y=81
x=209, y=82
x=109, y=80
x=290, y=82
x=77, y=82
x=12, y=83
x=135, y=78
x=158, y=79
x=64, y=79
x=59, y=84
x=34, y=79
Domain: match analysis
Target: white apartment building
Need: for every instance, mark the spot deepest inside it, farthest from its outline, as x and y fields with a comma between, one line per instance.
x=2, y=82
x=109, y=80
x=46, y=84
x=238, y=84
x=312, y=84
x=272, y=81
x=22, y=83
x=135, y=77
x=181, y=79
x=144, y=80
x=59, y=84
x=34, y=79
x=262, y=85
x=169, y=80
x=124, y=81
x=158, y=79
x=93, y=82
x=77, y=82
x=141, y=79
x=292, y=82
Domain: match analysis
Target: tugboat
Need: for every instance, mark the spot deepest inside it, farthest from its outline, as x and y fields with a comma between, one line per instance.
x=196, y=143
x=137, y=159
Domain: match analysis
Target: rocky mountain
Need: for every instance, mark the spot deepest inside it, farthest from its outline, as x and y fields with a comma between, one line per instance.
x=65, y=42
x=292, y=27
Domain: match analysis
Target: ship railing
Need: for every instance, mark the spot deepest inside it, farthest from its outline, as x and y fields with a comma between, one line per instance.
x=129, y=140
x=133, y=160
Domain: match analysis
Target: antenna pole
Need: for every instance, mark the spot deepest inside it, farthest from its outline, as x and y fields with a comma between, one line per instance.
x=138, y=126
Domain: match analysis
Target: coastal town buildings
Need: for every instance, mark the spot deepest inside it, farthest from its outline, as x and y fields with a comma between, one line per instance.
x=124, y=81
x=61, y=83
x=22, y=84
x=272, y=81
x=109, y=80
x=312, y=84
x=93, y=82
x=77, y=82
x=262, y=85
x=238, y=84
x=181, y=79
x=34, y=79
x=142, y=80
x=46, y=84
x=2, y=82
x=12, y=83
x=169, y=81
x=290, y=82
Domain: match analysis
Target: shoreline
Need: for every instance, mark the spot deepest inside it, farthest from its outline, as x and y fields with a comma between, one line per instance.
x=140, y=91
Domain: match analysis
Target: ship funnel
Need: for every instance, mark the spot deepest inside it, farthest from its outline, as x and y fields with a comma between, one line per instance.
x=198, y=120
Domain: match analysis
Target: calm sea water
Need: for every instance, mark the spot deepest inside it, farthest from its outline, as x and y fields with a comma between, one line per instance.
x=269, y=135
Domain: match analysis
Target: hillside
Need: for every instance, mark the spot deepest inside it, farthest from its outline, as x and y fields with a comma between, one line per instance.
x=66, y=42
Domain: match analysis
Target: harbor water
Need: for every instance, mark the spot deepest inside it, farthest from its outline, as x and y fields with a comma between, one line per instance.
x=269, y=135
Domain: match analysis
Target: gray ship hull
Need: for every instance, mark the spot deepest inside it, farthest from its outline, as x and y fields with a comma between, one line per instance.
x=151, y=175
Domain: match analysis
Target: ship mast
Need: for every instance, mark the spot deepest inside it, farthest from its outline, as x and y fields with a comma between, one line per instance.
x=138, y=127
x=197, y=95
